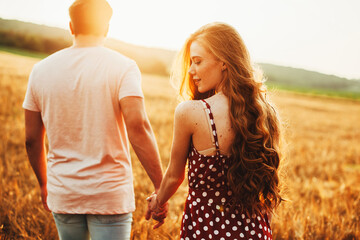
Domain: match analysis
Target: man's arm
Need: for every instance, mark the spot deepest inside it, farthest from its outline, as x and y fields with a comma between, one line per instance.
x=142, y=137
x=35, y=148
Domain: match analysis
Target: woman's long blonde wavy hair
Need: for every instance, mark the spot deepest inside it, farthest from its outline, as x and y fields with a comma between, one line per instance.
x=255, y=153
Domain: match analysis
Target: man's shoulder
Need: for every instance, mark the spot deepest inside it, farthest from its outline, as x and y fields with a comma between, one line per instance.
x=114, y=59
x=115, y=54
x=107, y=55
x=52, y=57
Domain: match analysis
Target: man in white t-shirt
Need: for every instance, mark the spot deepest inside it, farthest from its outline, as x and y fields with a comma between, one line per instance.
x=88, y=100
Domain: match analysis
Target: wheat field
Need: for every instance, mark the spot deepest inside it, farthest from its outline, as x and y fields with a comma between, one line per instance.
x=320, y=174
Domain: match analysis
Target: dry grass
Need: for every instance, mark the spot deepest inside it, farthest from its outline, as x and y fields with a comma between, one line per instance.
x=322, y=168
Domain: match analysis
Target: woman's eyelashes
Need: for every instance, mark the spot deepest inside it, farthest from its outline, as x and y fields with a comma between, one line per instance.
x=196, y=61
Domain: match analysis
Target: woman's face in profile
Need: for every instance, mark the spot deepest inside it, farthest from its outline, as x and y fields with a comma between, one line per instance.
x=205, y=70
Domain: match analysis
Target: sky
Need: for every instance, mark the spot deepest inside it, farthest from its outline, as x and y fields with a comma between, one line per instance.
x=318, y=35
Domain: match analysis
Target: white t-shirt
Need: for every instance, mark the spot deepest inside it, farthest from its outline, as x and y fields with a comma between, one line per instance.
x=77, y=90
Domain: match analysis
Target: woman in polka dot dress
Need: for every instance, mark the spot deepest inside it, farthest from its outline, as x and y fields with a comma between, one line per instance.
x=229, y=134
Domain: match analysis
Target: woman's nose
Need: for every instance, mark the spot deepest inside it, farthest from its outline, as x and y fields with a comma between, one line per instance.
x=191, y=70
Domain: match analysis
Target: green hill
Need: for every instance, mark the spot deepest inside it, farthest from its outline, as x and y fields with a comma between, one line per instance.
x=45, y=39
x=302, y=80
x=15, y=35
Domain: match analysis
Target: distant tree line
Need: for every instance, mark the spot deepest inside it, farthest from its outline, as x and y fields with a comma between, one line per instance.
x=40, y=43
x=33, y=42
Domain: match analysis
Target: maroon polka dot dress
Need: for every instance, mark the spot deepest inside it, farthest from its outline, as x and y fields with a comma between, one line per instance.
x=206, y=215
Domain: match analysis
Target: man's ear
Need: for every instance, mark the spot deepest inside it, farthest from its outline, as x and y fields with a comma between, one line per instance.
x=107, y=30
x=71, y=28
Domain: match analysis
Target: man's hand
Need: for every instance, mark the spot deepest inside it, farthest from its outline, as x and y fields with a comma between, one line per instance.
x=157, y=212
x=44, y=198
x=149, y=211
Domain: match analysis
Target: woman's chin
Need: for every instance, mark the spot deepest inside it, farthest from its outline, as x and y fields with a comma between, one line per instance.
x=201, y=90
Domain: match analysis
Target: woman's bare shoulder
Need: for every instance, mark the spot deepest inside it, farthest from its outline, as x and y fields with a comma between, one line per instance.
x=188, y=107
x=188, y=111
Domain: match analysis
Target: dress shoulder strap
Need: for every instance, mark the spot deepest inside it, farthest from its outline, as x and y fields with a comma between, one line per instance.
x=213, y=127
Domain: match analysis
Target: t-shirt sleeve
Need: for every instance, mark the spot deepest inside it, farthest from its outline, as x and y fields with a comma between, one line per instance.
x=30, y=101
x=131, y=83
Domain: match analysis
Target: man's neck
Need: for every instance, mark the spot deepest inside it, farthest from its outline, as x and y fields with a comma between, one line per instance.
x=88, y=40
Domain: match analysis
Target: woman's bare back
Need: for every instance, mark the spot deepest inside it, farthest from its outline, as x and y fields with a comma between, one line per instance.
x=202, y=135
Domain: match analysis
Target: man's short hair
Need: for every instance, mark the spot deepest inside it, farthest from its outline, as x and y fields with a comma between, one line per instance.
x=90, y=17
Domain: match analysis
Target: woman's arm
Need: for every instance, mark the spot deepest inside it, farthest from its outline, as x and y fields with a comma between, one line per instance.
x=175, y=173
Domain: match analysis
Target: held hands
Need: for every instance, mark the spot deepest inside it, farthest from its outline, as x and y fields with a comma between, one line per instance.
x=156, y=211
